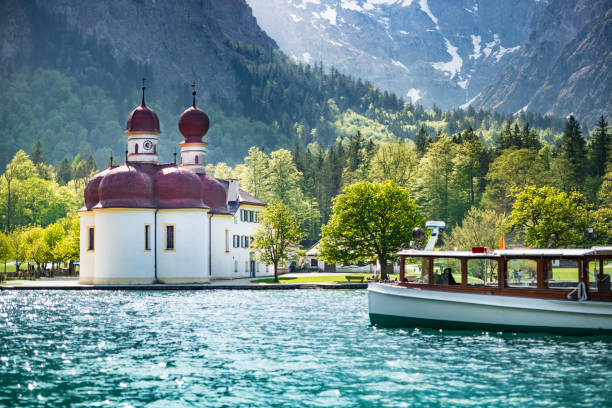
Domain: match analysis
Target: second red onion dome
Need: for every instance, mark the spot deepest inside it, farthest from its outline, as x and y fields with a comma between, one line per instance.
x=193, y=124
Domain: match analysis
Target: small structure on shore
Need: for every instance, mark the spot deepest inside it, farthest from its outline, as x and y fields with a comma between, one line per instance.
x=146, y=222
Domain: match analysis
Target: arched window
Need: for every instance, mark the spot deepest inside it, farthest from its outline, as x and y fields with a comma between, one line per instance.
x=197, y=161
x=136, y=148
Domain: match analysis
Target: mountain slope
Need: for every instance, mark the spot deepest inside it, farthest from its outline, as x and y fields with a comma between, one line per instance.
x=563, y=67
x=441, y=52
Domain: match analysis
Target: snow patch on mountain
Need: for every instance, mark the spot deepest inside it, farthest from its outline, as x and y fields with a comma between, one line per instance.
x=414, y=95
x=476, y=43
x=468, y=103
x=490, y=45
x=351, y=5
x=399, y=64
x=372, y=4
x=295, y=18
x=452, y=67
x=463, y=83
x=503, y=51
x=425, y=9
x=330, y=15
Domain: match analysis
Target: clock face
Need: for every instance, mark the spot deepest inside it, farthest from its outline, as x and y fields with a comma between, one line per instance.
x=147, y=145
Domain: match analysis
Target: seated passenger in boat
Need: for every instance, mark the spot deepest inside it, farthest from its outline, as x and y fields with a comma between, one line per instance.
x=448, y=278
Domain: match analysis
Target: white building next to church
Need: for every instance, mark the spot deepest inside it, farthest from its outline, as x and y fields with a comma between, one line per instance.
x=145, y=222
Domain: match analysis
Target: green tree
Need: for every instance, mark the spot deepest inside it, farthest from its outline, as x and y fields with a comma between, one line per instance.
x=38, y=152
x=549, y=218
x=79, y=172
x=603, y=215
x=470, y=167
x=396, y=161
x=20, y=246
x=256, y=175
x=90, y=165
x=529, y=138
x=574, y=152
x=480, y=227
x=369, y=221
x=435, y=183
x=64, y=173
x=422, y=141
x=53, y=234
x=37, y=250
x=512, y=169
x=599, y=149
x=278, y=235
x=285, y=179
x=20, y=168
x=6, y=249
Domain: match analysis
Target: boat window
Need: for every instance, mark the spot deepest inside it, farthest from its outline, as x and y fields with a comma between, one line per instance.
x=562, y=273
x=597, y=282
x=522, y=273
x=441, y=271
x=481, y=272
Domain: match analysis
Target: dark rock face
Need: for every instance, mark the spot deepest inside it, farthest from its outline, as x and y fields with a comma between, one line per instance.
x=442, y=52
x=563, y=67
x=182, y=40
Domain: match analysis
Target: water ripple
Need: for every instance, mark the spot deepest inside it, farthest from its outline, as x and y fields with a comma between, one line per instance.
x=285, y=349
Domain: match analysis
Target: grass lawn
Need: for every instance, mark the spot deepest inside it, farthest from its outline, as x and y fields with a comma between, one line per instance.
x=12, y=268
x=340, y=278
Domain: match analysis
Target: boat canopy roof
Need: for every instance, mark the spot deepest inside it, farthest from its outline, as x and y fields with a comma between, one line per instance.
x=513, y=253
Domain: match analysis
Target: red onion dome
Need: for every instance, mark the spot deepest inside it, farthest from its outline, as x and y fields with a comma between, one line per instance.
x=193, y=123
x=177, y=188
x=142, y=119
x=215, y=195
x=126, y=186
x=91, y=189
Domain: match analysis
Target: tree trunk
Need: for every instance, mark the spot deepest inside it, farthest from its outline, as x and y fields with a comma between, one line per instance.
x=276, y=271
x=383, y=269
x=8, y=208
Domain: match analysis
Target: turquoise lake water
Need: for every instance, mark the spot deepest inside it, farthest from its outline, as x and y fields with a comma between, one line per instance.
x=274, y=349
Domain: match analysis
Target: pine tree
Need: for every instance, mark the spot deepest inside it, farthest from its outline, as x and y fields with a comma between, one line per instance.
x=421, y=141
x=37, y=154
x=529, y=138
x=505, y=139
x=573, y=150
x=64, y=173
x=599, y=149
x=91, y=165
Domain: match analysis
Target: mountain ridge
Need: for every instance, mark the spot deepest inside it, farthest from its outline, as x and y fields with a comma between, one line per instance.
x=556, y=64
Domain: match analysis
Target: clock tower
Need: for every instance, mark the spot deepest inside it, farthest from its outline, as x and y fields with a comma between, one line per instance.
x=142, y=130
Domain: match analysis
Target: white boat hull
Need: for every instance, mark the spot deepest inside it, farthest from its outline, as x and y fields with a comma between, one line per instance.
x=396, y=306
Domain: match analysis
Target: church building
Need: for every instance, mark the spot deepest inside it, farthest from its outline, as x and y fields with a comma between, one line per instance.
x=146, y=222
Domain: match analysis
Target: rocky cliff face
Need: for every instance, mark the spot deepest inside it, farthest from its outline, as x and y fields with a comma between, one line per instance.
x=563, y=66
x=181, y=40
x=432, y=52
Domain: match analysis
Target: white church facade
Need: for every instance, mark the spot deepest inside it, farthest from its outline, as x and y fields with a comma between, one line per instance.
x=145, y=222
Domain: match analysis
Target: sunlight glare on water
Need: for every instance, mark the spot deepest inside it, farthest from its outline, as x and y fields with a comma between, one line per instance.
x=274, y=348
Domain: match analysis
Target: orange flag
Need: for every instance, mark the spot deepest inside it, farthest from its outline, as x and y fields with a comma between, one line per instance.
x=502, y=243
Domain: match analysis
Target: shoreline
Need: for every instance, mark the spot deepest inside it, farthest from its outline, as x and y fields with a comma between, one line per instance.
x=171, y=287
x=221, y=284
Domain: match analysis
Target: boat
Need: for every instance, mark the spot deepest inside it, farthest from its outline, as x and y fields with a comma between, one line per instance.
x=564, y=291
